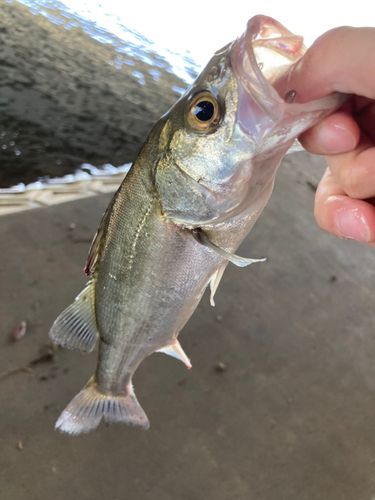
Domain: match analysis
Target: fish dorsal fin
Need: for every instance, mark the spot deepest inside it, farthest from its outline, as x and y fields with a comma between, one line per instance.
x=75, y=327
x=175, y=350
x=215, y=280
x=202, y=238
x=94, y=252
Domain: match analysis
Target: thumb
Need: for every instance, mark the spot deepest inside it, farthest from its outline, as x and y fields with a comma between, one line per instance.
x=341, y=60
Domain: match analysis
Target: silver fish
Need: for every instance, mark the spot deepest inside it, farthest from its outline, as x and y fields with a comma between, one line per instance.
x=200, y=182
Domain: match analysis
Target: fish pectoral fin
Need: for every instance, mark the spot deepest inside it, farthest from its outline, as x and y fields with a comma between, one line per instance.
x=75, y=327
x=215, y=281
x=90, y=406
x=203, y=239
x=175, y=350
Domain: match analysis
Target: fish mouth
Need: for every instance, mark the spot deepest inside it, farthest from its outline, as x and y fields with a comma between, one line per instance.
x=261, y=60
x=264, y=51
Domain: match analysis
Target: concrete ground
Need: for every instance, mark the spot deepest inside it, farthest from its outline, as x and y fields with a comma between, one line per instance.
x=279, y=404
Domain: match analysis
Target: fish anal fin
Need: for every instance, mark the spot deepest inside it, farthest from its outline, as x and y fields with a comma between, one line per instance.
x=203, y=239
x=75, y=327
x=215, y=281
x=90, y=406
x=175, y=350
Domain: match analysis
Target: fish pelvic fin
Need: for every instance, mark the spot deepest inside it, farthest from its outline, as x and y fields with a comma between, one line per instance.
x=75, y=327
x=86, y=410
x=203, y=239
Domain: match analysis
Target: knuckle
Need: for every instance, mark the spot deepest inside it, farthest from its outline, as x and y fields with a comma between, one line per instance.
x=325, y=46
x=331, y=37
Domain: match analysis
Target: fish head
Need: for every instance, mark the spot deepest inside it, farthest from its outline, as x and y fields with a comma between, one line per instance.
x=221, y=144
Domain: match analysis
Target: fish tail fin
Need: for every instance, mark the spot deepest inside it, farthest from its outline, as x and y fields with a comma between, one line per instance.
x=75, y=327
x=90, y=406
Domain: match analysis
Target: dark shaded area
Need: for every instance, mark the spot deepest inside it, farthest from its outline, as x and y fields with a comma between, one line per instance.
x=279, y=404
x=72, y=93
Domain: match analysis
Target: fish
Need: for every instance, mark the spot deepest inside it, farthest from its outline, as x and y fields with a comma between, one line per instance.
x=201, y=180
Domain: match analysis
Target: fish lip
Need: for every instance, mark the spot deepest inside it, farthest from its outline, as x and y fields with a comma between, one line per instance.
x=260, y=105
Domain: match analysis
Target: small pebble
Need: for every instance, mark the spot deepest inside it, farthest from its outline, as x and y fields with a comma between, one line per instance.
x=19, y=445
x=72, y=226
x=18, y=332
x=221, y=367
x=219, y=317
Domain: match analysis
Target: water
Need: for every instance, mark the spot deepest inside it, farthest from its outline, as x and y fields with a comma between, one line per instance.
x=78, y=86
x=107, y=26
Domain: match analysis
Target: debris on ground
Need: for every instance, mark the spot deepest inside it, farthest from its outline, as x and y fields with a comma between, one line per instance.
x=312, y=186
x=47, y=355
x=221, y=367
x=18, y=332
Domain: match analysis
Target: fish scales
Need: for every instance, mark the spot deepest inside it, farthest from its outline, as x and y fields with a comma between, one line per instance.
x=156, y=253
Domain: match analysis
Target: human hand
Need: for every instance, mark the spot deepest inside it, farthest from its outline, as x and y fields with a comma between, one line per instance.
x=343, y=60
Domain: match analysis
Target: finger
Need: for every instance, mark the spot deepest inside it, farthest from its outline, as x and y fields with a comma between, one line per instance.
x=354, y=171
x=337, y=61
x=343, y=216
x=366, y=120
x=338, y=133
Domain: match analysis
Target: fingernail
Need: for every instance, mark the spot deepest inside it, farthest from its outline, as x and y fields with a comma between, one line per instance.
x=351, y=224
x=334, y=138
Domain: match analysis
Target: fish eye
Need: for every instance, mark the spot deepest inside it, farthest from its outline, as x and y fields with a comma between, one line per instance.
x=204, y=112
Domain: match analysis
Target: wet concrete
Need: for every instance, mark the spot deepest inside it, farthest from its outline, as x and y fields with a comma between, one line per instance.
x=288, y=415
